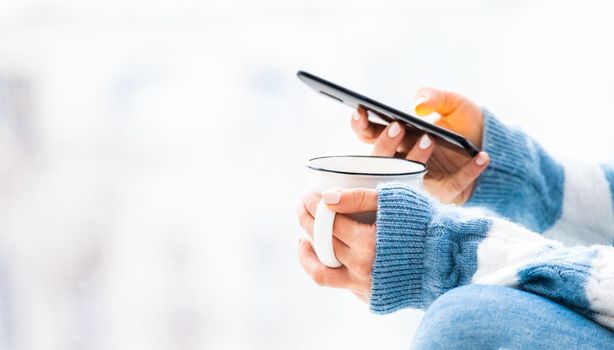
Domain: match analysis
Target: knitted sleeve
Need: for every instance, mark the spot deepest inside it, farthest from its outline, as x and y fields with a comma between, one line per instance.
x=570, y=201
x=424, y=249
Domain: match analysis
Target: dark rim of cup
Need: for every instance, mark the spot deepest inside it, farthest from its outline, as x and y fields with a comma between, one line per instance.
x=368, y=174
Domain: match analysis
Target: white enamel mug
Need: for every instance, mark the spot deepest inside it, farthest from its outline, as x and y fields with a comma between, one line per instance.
x=344, y=172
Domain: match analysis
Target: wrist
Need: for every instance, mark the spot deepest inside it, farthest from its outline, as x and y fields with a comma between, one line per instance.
x=522, y=182
x=402, y=221
x=507, y=170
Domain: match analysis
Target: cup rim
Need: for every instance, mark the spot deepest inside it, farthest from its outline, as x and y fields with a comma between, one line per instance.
x=423, y=171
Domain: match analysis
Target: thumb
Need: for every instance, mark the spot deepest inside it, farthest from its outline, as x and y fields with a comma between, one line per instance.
x=358, y=200
x=429, y=100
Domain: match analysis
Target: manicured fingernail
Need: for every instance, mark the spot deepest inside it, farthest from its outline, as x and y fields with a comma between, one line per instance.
x=481, y=159
x=356, y=116
x=331, y=197
x=419, y=100
x=425, y=142
x=298, y=241
x=418, y=105
x=394, y=130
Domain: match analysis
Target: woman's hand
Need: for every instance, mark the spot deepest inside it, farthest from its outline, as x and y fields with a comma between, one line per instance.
x=354, y=242
x=451, y=175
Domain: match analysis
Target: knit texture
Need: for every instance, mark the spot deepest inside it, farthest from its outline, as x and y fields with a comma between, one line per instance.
x=522, y=183
x=425, y=249
x=398, y=268
x=412, y=249
x=567, y=271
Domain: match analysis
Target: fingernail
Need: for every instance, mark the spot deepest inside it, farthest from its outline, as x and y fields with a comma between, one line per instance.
x=419, y=100
x=421, y=110
x=298, y=241
x=356, y=116
x=394, y=130
x=425, y=142
x=331, y=197
x=481, y=159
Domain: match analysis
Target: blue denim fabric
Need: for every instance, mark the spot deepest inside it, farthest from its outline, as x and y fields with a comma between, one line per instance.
x=421, y=251
x=493, y=317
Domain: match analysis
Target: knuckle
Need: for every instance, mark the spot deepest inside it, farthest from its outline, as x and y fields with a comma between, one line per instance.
x=319, y=276
x=416, y=154
x=370, y=133
x=359, y=198
x=467, y=172
x=456, y=185
x=384, y=145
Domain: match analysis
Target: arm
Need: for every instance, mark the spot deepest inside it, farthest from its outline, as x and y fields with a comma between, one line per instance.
x=569, y=201
x=523, y=183
x=424, y=250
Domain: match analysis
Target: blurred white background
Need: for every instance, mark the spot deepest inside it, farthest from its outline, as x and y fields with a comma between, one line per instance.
x=151, y=152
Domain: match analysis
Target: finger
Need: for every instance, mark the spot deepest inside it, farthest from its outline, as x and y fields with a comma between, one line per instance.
x=429, y=100
x=305, y=219
x=350, y=201
x=366, y=131
x=343, y=253
x=349, y=231
x=310, y=201
x=361, y=117
x=422, y=150
x=356, y=260
x=409, y=139
x=322, y=275
x=466, y=175
x=389, y=140
x=345, y=229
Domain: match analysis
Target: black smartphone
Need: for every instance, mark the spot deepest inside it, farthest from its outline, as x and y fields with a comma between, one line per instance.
x=348, y=97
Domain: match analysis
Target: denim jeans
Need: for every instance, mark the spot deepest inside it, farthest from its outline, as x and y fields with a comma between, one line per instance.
x=493, y=317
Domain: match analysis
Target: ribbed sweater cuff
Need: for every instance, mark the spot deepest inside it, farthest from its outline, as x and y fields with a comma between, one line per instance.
x=509, y=161
x=402, y=219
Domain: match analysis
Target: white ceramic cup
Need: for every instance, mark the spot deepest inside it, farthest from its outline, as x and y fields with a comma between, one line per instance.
x=343, y=172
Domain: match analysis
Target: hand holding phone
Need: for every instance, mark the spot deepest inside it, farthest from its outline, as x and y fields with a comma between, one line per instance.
x=457, y=114
x=445, y=137
x=451, y=174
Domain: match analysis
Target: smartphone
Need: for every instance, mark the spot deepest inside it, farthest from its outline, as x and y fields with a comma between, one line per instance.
x=350, y=98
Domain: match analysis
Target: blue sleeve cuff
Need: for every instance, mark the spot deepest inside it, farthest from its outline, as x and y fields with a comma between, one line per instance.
x=402, y=219
x=508, y=153
x=423, y=249
x=522, y=182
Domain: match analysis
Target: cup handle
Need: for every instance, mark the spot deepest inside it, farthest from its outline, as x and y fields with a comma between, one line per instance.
x=323, y=235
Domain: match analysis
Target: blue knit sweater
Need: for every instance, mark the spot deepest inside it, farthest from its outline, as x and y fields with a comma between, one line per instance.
x=543, y=225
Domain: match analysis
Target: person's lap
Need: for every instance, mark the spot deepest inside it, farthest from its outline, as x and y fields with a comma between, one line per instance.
x=493, y=317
